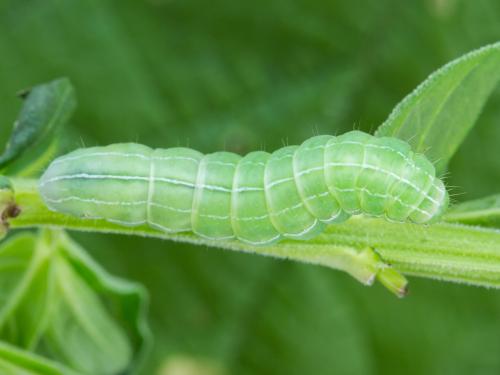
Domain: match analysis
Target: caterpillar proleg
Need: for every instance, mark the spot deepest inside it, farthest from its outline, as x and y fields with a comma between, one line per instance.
x=259, y=198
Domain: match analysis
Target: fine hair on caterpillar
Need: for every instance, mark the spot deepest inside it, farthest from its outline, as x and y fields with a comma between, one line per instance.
x=259, y=198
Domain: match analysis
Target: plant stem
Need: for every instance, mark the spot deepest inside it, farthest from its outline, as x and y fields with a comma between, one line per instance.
x=362, y=246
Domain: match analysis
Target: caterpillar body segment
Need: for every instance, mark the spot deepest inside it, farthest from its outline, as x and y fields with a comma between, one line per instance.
x=251, y=219
x=259, y=198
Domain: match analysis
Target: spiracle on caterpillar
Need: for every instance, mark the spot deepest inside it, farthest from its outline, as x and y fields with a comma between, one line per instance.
x=259, y=198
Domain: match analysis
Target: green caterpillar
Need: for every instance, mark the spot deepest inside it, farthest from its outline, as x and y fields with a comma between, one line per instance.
x=259, y=198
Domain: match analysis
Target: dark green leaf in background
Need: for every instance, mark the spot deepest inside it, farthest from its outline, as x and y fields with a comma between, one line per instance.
x=45, y=109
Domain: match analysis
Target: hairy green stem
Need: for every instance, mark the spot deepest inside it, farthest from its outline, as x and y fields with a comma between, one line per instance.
x=362, y=246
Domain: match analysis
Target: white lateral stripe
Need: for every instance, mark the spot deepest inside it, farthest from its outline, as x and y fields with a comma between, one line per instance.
x=215, y=217
x=264, y=242
x=384, y=171
x=220, y=217
x=123, y=222
x=100, y=154
x=288, y=179
x=95, y=201
x=379, y=147
x=180, y=210
x=253, y=163
x=305, y=231
x=384, y=196
x=279, y=182
x=167, y=229
x=222, y=163
x=334, y=216
x=251, y=218
x=175, y=158
x=213, y=238
x=114, y=203
x=84, y=176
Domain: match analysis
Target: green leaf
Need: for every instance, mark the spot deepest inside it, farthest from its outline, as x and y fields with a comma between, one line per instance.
x=26, y=292
x=56, y=300
x=14, y=361
x=484, y=212
x=438, y=114
x=45, y=109
x=95, y=335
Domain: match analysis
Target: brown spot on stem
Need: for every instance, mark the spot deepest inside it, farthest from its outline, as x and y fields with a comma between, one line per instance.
x=13, y=211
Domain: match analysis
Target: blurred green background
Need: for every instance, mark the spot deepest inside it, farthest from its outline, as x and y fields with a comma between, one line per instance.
x=241, y=76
